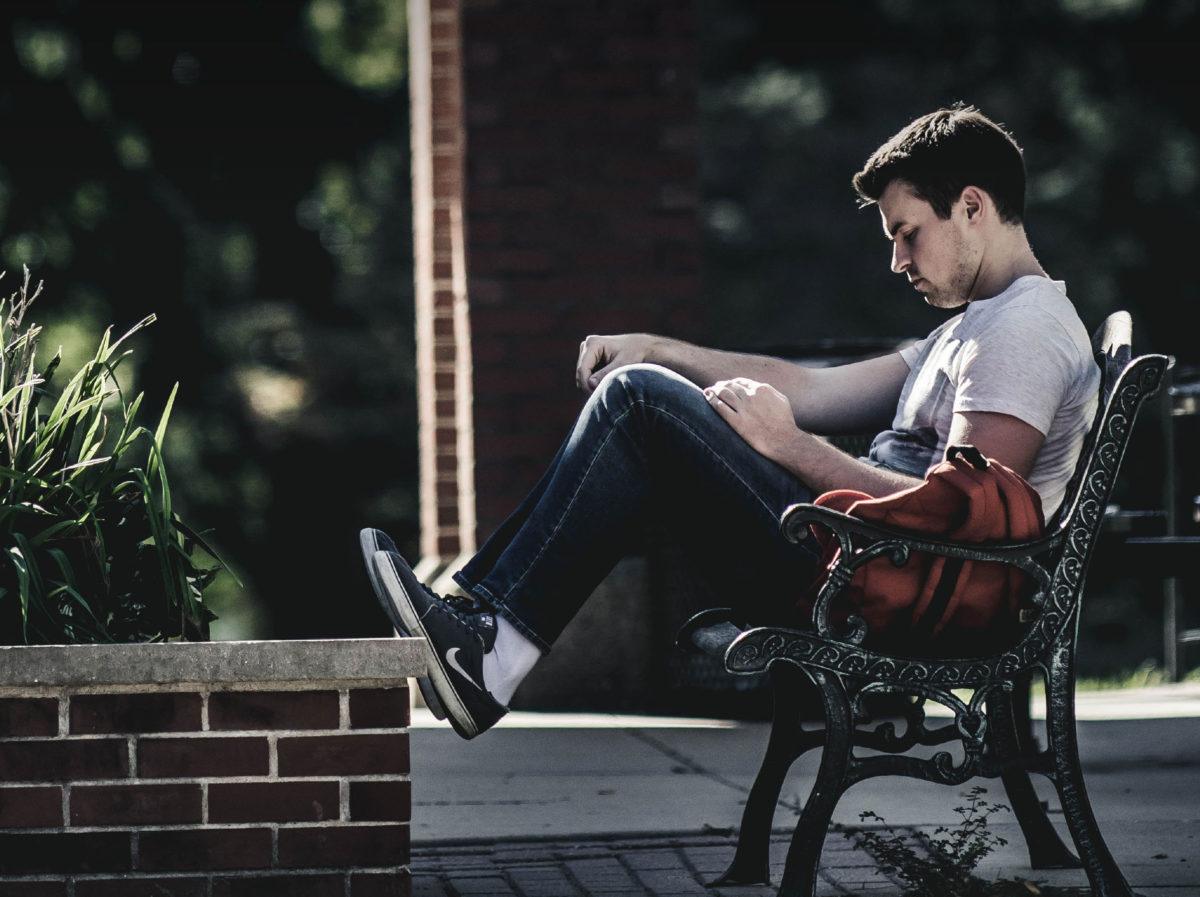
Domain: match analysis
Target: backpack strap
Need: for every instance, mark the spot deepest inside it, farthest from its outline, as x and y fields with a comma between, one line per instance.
x=968, y=453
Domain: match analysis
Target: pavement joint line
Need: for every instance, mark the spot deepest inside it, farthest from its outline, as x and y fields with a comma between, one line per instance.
x=625, y=840
x=570, y=876
x=690, y=866
x=510, y=881
x=679, y=757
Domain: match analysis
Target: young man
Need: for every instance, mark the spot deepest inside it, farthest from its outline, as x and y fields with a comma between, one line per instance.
x=720, y=443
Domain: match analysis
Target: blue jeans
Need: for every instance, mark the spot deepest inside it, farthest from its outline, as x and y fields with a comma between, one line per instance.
x=647, y=447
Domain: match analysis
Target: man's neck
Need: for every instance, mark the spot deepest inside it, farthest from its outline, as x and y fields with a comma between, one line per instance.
x=1006, y=259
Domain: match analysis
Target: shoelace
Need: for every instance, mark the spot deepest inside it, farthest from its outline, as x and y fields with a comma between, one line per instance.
x=461, y=607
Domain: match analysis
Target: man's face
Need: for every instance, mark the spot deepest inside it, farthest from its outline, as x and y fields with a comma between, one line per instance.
x=936, y=255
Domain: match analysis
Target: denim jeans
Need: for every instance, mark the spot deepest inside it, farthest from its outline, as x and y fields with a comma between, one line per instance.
x=647, y=447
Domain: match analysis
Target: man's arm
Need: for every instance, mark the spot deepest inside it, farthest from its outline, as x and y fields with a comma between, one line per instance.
x=847, y=398
x=761, y=415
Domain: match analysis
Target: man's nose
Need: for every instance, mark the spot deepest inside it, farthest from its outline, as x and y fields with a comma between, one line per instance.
x=900, y=258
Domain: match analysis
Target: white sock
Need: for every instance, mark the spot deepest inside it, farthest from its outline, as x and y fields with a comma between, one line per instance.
x=509, y=661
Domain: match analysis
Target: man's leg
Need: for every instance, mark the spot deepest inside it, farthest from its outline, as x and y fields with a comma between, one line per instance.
x=646, y=445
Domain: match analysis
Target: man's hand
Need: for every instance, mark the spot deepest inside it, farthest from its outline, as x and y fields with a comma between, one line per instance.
x=600, y=354
x=759, y=413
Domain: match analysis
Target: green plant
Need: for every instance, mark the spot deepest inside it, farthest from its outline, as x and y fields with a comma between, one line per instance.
x=92, y=549
x=943, y=865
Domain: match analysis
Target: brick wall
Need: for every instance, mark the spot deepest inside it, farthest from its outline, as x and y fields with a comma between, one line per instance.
x=255, y=791
x=581, y=209
x=555, y=195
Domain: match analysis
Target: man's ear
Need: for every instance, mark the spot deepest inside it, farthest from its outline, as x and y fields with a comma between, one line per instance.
x=974, y=203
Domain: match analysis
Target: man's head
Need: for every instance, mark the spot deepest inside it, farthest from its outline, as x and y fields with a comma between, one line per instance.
x=949, y=186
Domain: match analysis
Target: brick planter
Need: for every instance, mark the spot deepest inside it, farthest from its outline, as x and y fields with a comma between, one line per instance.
x=220, y=769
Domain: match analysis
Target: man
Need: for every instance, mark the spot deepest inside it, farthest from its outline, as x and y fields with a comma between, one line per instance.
x=720, y=443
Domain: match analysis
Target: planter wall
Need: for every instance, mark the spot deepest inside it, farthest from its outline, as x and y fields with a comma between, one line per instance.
x=224, y=768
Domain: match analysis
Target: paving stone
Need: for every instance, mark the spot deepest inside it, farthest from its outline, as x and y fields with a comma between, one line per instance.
x=489, y=886
x=678, y=867
x=427, y=886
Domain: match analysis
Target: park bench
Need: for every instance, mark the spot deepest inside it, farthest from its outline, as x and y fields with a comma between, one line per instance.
x=993, y=724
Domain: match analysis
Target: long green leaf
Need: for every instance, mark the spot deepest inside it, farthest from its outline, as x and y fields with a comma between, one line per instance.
x=160, y=433
x=14, y=391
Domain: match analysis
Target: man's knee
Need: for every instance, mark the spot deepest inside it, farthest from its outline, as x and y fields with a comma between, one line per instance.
x=648, y=383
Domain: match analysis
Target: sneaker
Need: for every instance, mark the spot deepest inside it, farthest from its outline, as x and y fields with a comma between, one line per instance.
x=371, y=541
x=458, y=633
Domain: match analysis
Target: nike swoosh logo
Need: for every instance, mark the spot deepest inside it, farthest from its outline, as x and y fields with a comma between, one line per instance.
x=452, y=659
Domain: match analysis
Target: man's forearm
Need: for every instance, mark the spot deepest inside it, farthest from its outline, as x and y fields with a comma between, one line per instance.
x=705, y=367
x=823, y=467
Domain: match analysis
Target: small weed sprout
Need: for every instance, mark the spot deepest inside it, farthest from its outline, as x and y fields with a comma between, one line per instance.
x=943, y=864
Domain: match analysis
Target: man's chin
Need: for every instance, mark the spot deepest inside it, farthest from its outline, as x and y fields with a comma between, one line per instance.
x=940, y=300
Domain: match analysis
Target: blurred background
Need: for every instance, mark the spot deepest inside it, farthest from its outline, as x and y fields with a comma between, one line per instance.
x=243, y=170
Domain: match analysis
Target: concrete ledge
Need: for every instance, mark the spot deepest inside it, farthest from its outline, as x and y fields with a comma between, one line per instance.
x=375, y=661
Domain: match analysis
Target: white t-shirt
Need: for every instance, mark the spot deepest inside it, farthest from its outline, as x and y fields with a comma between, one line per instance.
x=1023, y=352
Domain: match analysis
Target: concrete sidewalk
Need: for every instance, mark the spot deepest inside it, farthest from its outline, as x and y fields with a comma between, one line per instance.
x=566, y=805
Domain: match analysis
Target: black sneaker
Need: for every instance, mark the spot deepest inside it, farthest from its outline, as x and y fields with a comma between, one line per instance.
x=458, y=633
x=371, y=541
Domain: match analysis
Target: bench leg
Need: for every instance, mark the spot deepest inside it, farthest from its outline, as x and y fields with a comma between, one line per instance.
x=1102, y=870
x=751, y=862
x=1046, y=849
x=804, y=854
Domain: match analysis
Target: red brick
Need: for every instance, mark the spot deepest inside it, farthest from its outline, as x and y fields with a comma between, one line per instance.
x=443, y=31
x=446, y=165
x=273, y=802
x=380, y=801
x=344, y=845
x=378, y=708
x=184, y=850
x=506, y=199
x=164, y=712
x=187, y=757
x=575, y=288
x=605, y=81
x=248, y=710
x=488, y=261
x=449, y=546
x=492, y=320
x=606, y=257
x=46, y=888
x=62, y=852
x=30, y=807
x=134, y=804
x=280, y=886
x=448, y=184
x=489, y=352
x=381, y=884
x=127, y=886
x=28, y=716
x=343, y=755
x=447, y=57
x=69, y=760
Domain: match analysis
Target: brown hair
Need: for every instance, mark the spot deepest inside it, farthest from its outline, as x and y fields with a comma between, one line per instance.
x=945, y=151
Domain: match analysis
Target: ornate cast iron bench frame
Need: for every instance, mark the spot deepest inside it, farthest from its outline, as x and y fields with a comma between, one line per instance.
x=993, y=726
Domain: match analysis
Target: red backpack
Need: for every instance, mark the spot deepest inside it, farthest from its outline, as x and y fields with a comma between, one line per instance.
x=934, y=604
